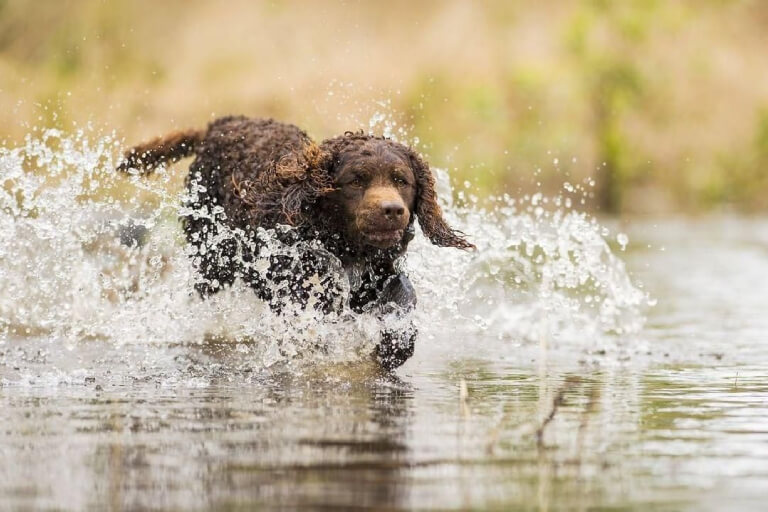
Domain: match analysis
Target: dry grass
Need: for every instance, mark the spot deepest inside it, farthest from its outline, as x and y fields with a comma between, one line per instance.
x=673, y=94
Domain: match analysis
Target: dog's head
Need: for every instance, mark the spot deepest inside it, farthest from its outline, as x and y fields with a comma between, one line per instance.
x=379, y=187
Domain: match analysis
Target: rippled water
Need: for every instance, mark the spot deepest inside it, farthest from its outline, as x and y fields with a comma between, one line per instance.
x=554, y=370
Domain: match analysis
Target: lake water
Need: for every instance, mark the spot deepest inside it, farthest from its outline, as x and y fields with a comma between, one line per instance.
x=554, y=369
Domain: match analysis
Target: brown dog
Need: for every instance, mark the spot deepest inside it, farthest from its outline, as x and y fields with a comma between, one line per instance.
x=358, y=195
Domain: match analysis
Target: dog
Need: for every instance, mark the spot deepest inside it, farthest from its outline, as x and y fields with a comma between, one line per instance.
x=356, y=195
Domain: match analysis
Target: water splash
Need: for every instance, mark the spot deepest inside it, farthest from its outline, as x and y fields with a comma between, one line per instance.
x=71, y=268
x=541, y=269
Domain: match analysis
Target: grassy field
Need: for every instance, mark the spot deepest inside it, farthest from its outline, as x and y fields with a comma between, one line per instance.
x=664, y=104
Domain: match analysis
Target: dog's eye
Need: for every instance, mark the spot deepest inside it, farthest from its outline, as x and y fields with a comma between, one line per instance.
x=357, y=181
x=400, y=181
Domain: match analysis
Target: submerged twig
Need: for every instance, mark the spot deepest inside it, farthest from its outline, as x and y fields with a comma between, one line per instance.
x=463, y=395
x=556, y=403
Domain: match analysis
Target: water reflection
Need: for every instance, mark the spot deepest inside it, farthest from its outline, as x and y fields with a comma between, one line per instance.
x=283, y=440
x=575, y=437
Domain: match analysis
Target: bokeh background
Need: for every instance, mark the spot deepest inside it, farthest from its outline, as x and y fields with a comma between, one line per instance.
x=663, y=104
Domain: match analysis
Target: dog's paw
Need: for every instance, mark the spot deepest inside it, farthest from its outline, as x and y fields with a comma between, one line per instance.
x=396, y=347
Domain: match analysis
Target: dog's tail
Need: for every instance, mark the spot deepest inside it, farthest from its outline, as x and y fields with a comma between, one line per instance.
x=170, y=148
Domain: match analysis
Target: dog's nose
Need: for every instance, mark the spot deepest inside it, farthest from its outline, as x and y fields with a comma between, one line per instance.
x=392, y=209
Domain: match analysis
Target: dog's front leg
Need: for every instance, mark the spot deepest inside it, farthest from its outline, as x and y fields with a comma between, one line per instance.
x=397, y=345
x=399, y=292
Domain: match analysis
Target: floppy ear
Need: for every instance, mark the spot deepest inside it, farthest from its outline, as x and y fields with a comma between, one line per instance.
x=428, y=211
x=285, y=193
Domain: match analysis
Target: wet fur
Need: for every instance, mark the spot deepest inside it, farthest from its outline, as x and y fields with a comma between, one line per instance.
x=264, y=173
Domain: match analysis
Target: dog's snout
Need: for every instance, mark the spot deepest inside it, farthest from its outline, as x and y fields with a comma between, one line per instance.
x=383, y=209
x=392, y=209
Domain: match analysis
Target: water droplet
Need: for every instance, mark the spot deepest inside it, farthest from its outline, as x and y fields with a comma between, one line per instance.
x=623, y=240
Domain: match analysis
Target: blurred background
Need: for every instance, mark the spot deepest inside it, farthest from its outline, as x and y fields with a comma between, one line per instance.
x=663, y=105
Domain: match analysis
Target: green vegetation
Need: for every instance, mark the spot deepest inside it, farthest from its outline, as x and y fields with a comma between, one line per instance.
x=663, y=104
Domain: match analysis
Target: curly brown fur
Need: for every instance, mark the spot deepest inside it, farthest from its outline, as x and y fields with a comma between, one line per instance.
x=357, y=194
x=281, y=193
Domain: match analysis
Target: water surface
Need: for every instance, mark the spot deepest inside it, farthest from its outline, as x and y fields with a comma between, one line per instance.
x=548, y=374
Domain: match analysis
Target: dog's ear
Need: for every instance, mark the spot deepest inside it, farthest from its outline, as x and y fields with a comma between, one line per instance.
x=428, y=210
x=287, y=192
x=306, y=178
